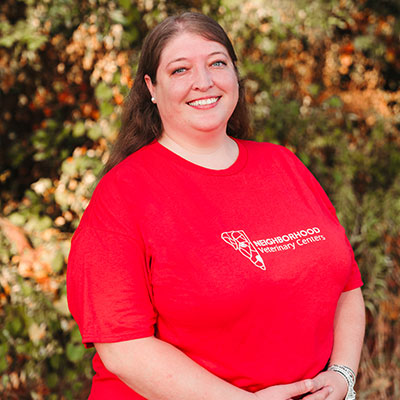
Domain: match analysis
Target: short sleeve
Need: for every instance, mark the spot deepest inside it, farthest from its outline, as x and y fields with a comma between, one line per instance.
x=354, y=281
x=108, y=275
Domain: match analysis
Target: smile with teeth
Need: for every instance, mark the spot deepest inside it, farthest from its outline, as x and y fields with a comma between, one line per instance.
x=204, y=102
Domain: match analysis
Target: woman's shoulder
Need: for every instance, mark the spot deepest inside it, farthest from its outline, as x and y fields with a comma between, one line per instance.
x=122, y=188
x=260, y=146
x=130, y=172
x=267, y=149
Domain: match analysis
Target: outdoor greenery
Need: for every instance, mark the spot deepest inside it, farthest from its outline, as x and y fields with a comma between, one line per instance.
x=322, y=78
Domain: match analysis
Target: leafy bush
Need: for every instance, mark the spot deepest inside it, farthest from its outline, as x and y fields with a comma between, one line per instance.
x=322, y=78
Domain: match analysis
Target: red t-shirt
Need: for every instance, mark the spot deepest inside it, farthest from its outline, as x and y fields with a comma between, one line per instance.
x=240, y=268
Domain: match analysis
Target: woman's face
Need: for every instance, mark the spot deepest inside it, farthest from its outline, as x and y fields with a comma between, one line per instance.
x=196, y=88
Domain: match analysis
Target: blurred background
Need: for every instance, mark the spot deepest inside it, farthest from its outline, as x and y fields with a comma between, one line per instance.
x=322, y=78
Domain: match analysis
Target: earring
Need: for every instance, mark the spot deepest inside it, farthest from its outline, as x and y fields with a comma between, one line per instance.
x=153, y=100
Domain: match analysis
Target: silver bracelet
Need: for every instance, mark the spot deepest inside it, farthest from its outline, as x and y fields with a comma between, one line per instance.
x=350, y=378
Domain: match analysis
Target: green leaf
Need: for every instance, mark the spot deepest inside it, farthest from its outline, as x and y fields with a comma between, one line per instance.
x=125, y=4
x=334, y=102
x=7, y=41
x=17, y=219
x=95, y=132
x=57, y=263
x=106, y=109
x=15, y=326
x=362, y=43
x=79, y=129
x=35, y=42
x=3, y=364
x=55, y=361
x=314, y=89
x=3, y=349
x=52, y=380
x=75, y=352
x=39, y=223
x=118, y=17
x=76, y=335
x=103, y=92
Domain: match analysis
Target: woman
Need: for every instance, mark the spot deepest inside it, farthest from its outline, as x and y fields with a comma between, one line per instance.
x=207, y=266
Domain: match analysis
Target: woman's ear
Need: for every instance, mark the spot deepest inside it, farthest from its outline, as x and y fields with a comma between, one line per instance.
x=149, y=85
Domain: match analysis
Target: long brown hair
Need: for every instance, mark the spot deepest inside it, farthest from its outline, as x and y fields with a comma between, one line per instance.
x=141, y=122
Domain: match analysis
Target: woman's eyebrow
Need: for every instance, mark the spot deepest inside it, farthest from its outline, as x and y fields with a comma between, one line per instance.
x=176, y=60
x=218, y=52
x=185, y=59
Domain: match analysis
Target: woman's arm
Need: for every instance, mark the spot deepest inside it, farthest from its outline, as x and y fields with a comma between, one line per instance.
x=349, y=327
x=159, y=371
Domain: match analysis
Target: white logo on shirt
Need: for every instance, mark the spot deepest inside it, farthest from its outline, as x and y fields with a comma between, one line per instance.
x=239, y=241
x=290, y=241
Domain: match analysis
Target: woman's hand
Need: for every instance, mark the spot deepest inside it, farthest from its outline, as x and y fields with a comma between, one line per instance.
x=319, y=387
x=333, y=380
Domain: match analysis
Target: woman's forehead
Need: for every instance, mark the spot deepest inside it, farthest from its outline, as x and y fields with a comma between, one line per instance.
x=189, y=45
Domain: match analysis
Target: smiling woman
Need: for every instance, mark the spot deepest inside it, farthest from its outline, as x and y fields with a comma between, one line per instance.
x=196, y=91
x=142, y=122
x=170, y=276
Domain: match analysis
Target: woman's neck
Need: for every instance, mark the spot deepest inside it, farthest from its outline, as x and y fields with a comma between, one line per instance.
x=216, y=153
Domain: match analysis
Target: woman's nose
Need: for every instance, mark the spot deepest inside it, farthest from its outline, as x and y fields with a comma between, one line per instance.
x=202, y=79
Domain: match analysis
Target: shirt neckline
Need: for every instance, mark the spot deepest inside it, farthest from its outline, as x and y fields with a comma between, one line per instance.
x=237, y=165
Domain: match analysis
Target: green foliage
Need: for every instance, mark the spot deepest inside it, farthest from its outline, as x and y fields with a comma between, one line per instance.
x=22, y=34
x=322, y=78
x=39, y=338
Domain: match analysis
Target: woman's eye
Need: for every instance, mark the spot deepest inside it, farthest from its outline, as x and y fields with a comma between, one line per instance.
x=179, y=70
x=219, y=63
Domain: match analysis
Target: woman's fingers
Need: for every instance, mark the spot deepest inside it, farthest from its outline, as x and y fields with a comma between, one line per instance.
x=321, y=394
x=298, y=388
x=311, y=389
x=288, y=391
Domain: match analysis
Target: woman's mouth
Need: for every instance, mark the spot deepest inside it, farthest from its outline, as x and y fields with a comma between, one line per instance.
x=204, y=102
